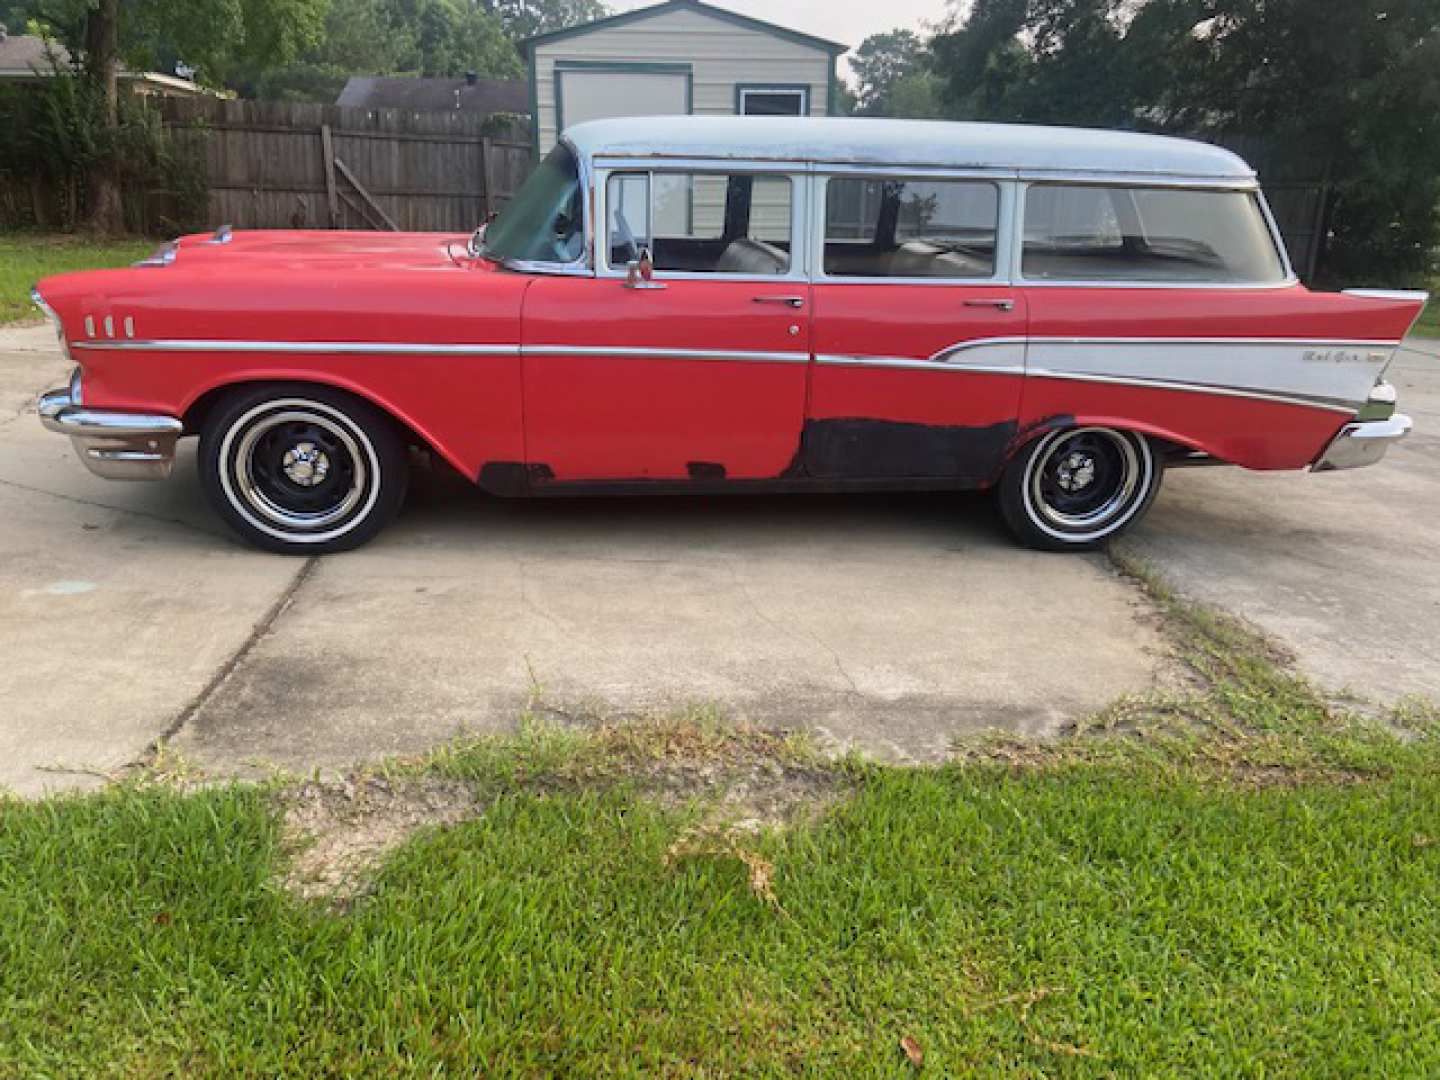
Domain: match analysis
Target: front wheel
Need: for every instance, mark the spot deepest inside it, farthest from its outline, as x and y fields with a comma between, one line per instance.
x=302, y=470
x=1073, y=489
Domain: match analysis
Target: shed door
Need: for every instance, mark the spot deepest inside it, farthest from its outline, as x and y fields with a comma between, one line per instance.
x=599, y=95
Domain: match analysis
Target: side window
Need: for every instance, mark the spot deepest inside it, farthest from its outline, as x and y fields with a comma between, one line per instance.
x=774, y=101
x=701, y=222
x=1076, y=232
x=910, y=228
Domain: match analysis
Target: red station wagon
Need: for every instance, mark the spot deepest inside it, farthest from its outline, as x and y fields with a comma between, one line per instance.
x=741, y=304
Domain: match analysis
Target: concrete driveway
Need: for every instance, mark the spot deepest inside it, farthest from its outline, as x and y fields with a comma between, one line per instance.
x=892, y=624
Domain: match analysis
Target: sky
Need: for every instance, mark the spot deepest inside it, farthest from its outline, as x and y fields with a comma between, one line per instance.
x=848, y=21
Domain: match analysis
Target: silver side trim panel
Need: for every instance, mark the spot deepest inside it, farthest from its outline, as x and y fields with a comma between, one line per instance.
x=1348, y=408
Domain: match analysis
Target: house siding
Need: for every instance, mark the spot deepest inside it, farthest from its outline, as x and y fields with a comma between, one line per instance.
x=721, y=56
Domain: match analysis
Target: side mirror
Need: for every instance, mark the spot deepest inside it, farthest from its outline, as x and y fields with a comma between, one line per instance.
x=641, y=272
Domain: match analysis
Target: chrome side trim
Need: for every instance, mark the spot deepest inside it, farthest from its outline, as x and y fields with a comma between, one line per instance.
x=639, y=353
x=308, y=347
x=1361, y=444
x=1389, y=294
x=935, y=363
x=382, y=348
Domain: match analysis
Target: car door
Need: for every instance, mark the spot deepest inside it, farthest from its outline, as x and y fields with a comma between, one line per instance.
x=919, y=338
x=697, y=374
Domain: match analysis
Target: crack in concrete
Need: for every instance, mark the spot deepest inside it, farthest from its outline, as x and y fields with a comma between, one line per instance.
x=113, y=509
x=767, y=620
x=257, y=634
x=529, y=604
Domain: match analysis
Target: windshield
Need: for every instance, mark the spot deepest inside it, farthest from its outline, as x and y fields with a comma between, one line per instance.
x=544, y=221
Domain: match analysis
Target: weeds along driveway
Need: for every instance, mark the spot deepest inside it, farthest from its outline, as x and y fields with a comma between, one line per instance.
x=889, y=624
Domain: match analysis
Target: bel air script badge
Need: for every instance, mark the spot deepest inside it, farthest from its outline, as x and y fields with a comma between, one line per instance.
x=1342, y=356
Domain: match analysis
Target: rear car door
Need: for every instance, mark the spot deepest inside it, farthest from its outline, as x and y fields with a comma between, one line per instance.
x=698, y=374
x=919, y=338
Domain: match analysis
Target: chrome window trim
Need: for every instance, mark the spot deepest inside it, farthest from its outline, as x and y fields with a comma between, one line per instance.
x=798, y=271
x=1288, y=281
x=1004, y=226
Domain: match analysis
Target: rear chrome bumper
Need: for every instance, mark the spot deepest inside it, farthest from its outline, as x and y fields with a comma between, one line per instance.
x=1362, y=443
x=115, y=445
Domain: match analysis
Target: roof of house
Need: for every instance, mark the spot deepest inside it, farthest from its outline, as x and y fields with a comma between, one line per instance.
x=26, y=56
x=1019, y=148
x=613, y=21
x=437, y=95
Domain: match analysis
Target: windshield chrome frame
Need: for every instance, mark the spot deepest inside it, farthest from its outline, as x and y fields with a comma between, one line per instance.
x=583, y=266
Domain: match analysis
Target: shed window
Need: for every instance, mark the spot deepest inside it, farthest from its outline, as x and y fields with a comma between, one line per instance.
x=701, y=223
x=1076, y=232
x=910, y=228
x=774, y=101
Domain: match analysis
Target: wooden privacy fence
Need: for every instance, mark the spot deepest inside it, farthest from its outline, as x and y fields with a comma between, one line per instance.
x=275, y=166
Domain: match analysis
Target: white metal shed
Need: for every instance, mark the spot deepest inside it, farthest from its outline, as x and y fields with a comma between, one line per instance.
x=680, y=57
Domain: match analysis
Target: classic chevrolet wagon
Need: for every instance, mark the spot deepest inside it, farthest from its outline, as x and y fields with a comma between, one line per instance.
x=737, y=304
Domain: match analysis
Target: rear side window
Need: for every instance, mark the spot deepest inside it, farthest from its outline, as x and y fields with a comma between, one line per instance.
x=910, y=228
x=1079, y=232
x=700, y=222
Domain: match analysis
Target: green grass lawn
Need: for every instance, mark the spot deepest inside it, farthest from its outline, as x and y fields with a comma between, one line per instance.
x=1240, y=880
x=25, y=258
x=1429, y=323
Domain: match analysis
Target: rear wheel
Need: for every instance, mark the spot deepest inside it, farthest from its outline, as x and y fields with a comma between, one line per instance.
x=302, y=469
x=1074, y=489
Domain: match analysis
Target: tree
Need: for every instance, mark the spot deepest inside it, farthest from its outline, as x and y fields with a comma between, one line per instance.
x=1352, y=82
x=526, y=18
x=881, y=61
x=211, y=36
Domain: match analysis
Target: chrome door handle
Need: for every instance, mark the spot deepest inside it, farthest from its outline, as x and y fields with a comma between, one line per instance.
x=788, y=301
x=1000, y=305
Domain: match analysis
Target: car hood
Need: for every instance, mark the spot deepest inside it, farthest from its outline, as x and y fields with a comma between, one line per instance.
x=334, y=250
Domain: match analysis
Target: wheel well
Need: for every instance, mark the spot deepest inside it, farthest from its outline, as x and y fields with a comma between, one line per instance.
x=202, y=407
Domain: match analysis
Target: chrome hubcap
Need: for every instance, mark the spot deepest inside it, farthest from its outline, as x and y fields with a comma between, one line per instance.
x=306, y=464
x=1085, y=482
x=301, y=469
x=1076, y=472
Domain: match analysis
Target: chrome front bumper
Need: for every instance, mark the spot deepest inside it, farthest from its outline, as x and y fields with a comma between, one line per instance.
x=115, y=445
x=1362, y=443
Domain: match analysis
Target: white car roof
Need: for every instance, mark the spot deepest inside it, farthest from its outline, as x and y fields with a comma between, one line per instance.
x=1018, y=148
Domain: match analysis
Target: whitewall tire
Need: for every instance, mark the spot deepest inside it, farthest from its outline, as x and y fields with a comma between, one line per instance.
x=302, y=469
x=1074, y=489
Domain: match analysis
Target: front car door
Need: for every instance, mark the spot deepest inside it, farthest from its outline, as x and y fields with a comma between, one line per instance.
x=696, y=375
x=919, y=338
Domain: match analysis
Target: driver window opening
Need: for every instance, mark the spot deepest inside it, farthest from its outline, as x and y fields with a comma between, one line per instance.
x=701, y=223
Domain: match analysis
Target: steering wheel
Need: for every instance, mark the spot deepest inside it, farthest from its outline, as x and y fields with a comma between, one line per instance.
x=628, y=245
x=568, y=241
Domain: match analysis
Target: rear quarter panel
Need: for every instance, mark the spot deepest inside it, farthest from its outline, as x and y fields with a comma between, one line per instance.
x=1260, y=377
